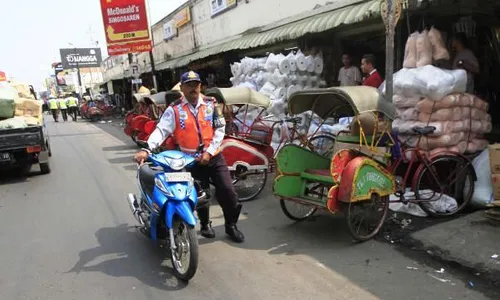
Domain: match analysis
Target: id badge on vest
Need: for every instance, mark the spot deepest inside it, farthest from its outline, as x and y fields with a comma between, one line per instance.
x=209, y=112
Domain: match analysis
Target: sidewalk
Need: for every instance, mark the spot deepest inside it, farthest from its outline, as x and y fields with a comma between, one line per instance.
x=471, y=241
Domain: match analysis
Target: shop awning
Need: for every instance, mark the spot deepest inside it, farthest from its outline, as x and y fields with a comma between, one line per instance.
x=310, y=22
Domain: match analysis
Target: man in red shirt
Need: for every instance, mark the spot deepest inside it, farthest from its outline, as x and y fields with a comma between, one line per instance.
x=368, y=68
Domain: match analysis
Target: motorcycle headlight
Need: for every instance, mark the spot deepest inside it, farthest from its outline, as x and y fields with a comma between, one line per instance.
x=176, y=164
x=159, y=184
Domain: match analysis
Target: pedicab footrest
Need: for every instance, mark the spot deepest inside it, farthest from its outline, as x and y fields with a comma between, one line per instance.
x=318, y=175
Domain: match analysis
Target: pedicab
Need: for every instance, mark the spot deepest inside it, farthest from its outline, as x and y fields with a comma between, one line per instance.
x=248, y=150
x=137, y=118
x=355, y=179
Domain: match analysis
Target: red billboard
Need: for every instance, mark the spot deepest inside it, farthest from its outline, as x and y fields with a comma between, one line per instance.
x=126, y=26
x=3, y=76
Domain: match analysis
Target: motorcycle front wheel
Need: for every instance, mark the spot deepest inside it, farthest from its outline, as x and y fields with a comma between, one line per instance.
x=185, y=255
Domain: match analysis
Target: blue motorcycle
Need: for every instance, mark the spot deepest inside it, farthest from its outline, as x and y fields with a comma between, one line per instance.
x=169, y=196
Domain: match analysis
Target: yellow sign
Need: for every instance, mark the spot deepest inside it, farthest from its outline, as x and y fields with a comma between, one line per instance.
x=182, y=17
x=126, y=35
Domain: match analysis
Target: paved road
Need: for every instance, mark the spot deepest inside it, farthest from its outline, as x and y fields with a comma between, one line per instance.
x=68, y=235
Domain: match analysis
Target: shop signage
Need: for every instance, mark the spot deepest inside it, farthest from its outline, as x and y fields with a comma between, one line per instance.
x=3, y=76
x=60, y=74
x=219, y=6
x=81, y=58
x=182, y=17
x=137, y=81
x=169, y=30
x=126, y=26
x=135, y=70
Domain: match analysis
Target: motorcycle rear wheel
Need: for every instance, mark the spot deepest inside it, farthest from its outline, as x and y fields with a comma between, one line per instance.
x=186, y=244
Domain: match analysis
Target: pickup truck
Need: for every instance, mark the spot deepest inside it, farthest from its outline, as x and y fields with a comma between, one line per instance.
x=20, y=148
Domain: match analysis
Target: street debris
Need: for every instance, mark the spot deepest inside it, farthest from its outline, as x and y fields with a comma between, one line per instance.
x=440, y=279
x=471, y=283
x=412, y=268
x=494, y=256
x=441, y=271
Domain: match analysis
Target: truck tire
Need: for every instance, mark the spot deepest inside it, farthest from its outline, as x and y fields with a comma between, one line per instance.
x=45, y=168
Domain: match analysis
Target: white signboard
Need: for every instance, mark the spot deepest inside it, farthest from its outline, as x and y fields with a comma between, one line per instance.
x=137, y=81
x=220, y=6
x=169, y=30
x=135, y=70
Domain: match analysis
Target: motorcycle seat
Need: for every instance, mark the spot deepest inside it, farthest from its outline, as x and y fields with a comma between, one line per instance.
x=147, y=178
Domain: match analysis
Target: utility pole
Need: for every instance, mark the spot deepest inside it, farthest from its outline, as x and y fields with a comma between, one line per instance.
x=390, y=11
x=78, y=72
x=151, y=56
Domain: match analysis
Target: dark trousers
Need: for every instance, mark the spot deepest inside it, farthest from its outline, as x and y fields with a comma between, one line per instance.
x=55, y=114
x=64, y=113
x=73, y=112
x=218, y=173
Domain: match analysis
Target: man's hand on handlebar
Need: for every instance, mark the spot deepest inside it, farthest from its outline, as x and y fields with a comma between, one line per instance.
x=141, y=156
x=204, y=158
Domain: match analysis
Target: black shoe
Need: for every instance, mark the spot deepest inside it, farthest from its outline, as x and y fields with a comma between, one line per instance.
x=234, y=234
x=206, y=231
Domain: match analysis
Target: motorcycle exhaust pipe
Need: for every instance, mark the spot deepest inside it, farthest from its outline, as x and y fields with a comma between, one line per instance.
x=132, y=203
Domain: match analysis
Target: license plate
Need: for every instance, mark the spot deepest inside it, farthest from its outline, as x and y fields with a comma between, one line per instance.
x=4, y=156
x=178, y=177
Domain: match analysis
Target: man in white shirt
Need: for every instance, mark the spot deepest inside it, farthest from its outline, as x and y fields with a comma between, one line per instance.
x=199, y=129
x=349, y=75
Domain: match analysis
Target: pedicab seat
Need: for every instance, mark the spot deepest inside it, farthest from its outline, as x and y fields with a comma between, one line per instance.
x=318, y=175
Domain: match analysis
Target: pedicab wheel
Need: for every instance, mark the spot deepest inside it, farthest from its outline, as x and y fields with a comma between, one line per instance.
x=374, y=210
x=445, y=175
x=296, y=211
x=185, y=256
x=242, y=181
x=323, y=144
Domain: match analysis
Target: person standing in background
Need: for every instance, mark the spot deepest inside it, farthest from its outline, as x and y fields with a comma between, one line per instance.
x=61, y=102
x=72, y=103
x=349, y=75
x=368, y=68
x=464, y=59
x=54, y=108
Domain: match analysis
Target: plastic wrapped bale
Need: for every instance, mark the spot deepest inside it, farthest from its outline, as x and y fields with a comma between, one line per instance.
x=439, y=51
x=424, y=49
x=8, y=96
x=16, y=122
x=410, y=60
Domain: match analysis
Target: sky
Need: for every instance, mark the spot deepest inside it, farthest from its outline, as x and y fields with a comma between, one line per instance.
x=33, y=31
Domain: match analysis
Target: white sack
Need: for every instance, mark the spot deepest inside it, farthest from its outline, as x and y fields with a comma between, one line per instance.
x=483, y=189
x=301, y=61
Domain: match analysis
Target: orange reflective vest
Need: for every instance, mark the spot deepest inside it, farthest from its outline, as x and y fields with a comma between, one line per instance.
x=191, y=131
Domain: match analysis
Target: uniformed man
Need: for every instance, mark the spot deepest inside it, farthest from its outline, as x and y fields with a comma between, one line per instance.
x=72, y=103
x=199, y=129
x=63, y=107
x=54, y=108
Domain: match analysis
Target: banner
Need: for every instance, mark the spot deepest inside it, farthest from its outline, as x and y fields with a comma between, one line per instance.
x=81, y=58
x=60, y=74
x=219, y=6
x=182, y=17
x=3, y=76
x=126, y=26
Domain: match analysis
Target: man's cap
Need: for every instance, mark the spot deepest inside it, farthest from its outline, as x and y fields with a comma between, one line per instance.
x=190, y=76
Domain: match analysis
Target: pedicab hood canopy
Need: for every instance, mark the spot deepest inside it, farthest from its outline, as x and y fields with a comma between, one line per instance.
x=341, y=102
x=162, y=98
x=239, y=96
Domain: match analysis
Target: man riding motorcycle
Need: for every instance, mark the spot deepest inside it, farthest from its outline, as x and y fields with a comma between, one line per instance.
x=199, y=129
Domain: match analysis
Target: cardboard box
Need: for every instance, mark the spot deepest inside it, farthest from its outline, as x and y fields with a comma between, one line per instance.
x=495, y=182
x=494, y=151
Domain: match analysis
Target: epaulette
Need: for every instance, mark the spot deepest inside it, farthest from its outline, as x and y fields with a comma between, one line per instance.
x=176, y=102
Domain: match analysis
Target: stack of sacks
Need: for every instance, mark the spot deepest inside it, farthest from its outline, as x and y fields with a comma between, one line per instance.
x=30, y=110
x=8, y=95
x=423, y=48
x=461, y=120
x=277, y=76
x=428, y=96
